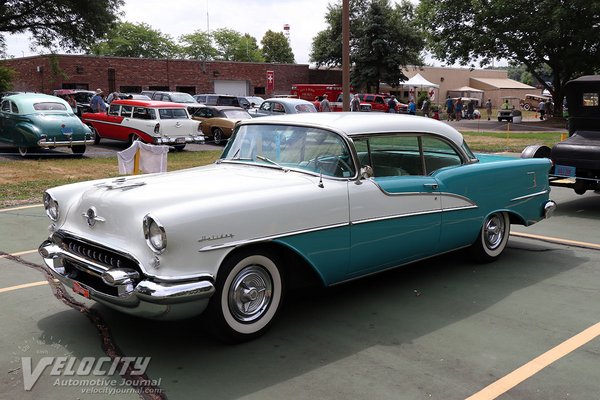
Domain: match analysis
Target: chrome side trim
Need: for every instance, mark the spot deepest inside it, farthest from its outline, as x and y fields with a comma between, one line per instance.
x=269, y=238
x=544, y=192
x=395, y=216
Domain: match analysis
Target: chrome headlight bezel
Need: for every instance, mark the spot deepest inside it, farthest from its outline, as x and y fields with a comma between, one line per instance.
x=51, y=207
x=155, y=234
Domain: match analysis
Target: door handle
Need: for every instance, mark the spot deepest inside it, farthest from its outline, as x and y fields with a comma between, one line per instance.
x=432, y=186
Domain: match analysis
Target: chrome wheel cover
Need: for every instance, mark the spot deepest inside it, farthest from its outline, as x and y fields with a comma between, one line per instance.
x=494, y=231
x=250, y=294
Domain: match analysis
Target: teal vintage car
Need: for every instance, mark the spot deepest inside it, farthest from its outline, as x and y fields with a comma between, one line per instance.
x=30, y=121
x=332, y=196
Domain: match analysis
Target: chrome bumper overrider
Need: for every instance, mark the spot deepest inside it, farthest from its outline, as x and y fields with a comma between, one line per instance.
x=130, y=293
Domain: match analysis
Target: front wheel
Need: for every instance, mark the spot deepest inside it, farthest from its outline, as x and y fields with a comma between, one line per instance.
x=23, y=150
x=249, y=292
x=492, y=238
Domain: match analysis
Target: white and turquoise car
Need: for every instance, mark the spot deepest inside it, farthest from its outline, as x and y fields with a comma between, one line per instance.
x=335, y=196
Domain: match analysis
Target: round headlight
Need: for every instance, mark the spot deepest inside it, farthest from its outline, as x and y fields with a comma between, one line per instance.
x=51, y=207
x=155, y=235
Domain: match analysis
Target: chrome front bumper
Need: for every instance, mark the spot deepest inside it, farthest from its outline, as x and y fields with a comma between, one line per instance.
x=131, y=293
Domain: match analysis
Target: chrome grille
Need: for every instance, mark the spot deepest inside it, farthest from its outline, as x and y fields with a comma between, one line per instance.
x=99, y=255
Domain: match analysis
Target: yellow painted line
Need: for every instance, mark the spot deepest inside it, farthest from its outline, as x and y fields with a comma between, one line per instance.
x=21, y=208
x=24, y=286
x=511, y=380
x=557, y=240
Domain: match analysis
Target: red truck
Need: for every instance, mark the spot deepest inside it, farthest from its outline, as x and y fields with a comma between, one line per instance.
x=379, y=102
x=334, y=92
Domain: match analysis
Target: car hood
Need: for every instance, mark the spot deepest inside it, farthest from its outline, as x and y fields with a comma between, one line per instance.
x=122, y=203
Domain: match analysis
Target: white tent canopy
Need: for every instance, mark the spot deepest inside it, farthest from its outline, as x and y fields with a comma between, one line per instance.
x=419, y=82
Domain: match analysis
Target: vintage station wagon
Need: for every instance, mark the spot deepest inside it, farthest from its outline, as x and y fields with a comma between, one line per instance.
x=334, y=196
x=31, y=121
x=153, y=122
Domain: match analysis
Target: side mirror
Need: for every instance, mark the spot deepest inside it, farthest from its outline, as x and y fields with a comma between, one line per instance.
x=366, y=172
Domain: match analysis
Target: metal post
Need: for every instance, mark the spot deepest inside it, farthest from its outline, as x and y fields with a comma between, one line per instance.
x=346, y=54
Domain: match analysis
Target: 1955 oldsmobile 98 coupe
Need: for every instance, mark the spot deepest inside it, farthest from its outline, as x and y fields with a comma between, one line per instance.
x=340, y=195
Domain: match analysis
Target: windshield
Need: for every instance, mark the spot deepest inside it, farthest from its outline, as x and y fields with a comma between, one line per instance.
x=305, y=108
x=49, y=107
x=237, y=114
x=292, y=147
x=182, y=98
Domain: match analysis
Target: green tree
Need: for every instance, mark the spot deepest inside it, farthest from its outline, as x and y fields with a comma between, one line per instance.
x=6, y=76
x=135, y=40
x=562, y=35
x=247, y=49
x=198, y=46
x=226, y=43
x=383, y=39
x=276, y=48
x=66, y=24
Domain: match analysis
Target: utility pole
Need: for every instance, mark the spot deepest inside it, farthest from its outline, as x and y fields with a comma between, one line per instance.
x=346, y=55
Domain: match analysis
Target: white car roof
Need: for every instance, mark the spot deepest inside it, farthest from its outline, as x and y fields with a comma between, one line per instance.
x=366, y=123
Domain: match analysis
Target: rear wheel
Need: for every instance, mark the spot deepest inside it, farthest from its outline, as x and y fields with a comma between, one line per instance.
x=96, y=134
x=218, y=136
x=249, y=292
x=179, y=147
x=492, y=238
x=23, y=150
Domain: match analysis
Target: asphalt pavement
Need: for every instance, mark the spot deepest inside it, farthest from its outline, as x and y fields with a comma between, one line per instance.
x=525, y=327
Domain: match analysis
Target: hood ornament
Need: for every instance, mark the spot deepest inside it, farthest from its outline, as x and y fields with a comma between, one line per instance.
x=91, y=217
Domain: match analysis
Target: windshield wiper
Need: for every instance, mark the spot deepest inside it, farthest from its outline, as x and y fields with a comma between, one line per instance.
x=265, y=159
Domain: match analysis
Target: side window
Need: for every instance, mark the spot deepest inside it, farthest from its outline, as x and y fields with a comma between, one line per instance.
x=6, y=106
x=126, y=111
x=141, y=113
x=114, y=109
x=14, y=108
x=438, y=154
x=278, y=108
x=379, y=100
x=394, y=155
x=370, y=98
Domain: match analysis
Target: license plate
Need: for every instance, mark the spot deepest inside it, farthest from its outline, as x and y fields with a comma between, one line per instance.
x=66, y=131
x=180, y=140
x=77, y=288
x=564, y=170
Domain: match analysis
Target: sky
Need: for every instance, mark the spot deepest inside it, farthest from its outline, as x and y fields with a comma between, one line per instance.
x=255, y=17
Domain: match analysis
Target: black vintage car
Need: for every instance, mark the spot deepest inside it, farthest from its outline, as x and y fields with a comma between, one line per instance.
x=576, y=160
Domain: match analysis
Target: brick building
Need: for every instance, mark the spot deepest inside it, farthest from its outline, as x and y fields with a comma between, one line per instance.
x=47, y=72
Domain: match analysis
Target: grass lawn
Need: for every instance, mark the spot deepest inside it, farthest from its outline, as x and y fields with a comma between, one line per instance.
x=23, y=181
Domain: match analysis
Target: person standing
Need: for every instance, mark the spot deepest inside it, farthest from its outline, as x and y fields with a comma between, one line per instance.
x=542, y=109
x=425, y=107
x=412, y=108
x=458, y=109
x=112, y=96
x=392, y=105
x=317, y=103
x=73, y=103
x=450, y=108
x=488, y=108
x=355, y=103
x=97, y=103
x=325, y=107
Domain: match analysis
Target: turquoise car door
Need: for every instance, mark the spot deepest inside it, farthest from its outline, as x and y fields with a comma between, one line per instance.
x=7, y=123
x=395, y=216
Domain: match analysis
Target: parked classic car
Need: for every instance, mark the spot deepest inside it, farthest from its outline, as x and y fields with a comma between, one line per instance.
x=335, y=196
x=217, y=122
x=154, y=122
x=29, y=121
x=576, y=160
x=283, y=105
x=380, y=102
